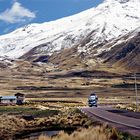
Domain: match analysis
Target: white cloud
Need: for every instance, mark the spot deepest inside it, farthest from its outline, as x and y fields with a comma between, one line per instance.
x=16, y=14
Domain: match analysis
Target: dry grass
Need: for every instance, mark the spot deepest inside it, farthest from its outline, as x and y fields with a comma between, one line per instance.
x=28, y=74
x=71, y=119
x=57, y=103
x=96, y=133
x=10, y=125
x=131, y=107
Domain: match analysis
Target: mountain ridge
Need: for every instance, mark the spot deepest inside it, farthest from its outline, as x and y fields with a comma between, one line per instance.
x=108, y=21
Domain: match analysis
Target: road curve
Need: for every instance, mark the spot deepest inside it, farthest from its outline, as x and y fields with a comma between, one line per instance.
x=120, y=121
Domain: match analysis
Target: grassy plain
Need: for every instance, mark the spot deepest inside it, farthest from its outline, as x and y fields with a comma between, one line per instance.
x=53, y=94
x=37, y=81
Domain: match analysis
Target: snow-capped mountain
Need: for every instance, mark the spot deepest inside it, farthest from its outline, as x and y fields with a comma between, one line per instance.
x=108, y=21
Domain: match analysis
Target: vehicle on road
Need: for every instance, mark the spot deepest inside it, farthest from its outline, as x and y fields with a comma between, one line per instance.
x=92, y=100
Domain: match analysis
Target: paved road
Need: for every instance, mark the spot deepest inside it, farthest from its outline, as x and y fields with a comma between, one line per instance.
x=122, y=120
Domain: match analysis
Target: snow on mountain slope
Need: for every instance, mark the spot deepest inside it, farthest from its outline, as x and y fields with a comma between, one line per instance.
x=111, y=19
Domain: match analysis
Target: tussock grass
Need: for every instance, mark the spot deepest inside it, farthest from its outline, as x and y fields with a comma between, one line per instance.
x=131, y=107
x=71, y=118
x=96, y=133
x=10, y=125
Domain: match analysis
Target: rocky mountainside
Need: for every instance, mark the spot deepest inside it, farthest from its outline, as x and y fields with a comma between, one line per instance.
x=108, y=33
x=126, y=53
x=122, y=52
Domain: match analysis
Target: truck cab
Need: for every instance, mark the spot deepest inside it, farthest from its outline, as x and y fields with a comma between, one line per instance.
x=92, y=100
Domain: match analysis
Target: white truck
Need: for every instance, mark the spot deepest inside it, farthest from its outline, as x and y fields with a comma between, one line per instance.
x=92, y=100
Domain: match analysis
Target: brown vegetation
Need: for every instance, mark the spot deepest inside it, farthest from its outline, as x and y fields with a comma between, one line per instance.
x=131, y=107
x=13, y=126
x=96, y=133
x=10, y=125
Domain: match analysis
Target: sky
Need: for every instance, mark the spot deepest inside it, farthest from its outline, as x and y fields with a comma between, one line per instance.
x=17, y=13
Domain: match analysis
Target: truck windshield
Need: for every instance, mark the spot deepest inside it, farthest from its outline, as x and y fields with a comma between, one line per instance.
x=92, y=97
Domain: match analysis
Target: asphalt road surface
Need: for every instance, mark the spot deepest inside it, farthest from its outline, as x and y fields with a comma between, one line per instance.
x=123, y=120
